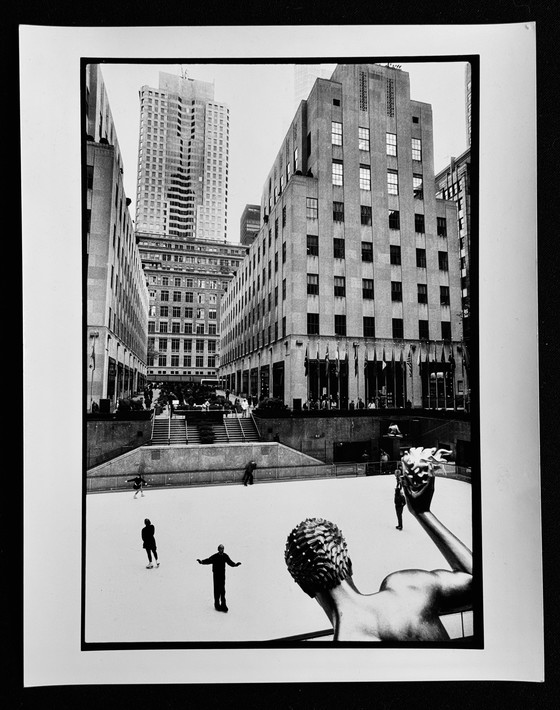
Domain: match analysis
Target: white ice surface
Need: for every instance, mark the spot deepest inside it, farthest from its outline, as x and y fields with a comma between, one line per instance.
x=125, y=602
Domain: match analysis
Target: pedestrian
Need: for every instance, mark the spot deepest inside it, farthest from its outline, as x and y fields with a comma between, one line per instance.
x=138, y=482
x=248, y=475
x=400, y=502
x=219, y=560
x=149, y=543
x=384, y=461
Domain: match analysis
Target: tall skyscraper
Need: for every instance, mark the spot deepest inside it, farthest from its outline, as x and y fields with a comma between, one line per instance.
x=181, y=218
x=182, y=160
x=352, y=286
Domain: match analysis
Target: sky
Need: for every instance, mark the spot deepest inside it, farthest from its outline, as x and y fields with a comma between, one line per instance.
x=261, y=101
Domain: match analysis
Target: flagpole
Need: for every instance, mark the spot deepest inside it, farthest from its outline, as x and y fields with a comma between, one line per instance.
x=306, y=371
x=318, y=377
x=403, y=375
x=366, y=388
x=356, y=370
x=444, y=377
x=394, y=367
x=338, y=377
x=429, y=377
x=376, y=380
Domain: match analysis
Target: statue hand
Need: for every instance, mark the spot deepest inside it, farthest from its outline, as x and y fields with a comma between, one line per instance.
x=199, y=562
x=418, y=490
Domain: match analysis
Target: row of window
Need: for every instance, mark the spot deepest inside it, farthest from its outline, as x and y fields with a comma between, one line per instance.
x=177, y=312
x=189, y=297
x=368, y=289
x=394, y=219
x=365, y=179
x=364, y=142
x=187, y=361
x=163, y=344
x=369, y=327
x=188, y=328
x=339, y=252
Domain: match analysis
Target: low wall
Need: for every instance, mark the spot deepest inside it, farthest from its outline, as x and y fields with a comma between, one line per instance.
x=200, y=464
x=174, y=466
x=111, y=437
x=317, y=433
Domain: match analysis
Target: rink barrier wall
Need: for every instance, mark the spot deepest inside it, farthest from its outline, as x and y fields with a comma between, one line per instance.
x=180, y=466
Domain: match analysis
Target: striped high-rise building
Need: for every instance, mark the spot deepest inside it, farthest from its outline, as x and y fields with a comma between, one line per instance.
x=182, y=160
x=181, y=219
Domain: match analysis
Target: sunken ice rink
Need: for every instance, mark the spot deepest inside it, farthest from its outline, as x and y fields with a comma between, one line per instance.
x=125, y=602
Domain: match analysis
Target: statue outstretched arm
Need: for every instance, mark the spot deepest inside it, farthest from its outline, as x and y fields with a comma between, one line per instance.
x=419, y=483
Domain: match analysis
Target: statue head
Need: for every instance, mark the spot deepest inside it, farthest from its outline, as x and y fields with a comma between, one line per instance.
x=317, y=556
x=418, y=463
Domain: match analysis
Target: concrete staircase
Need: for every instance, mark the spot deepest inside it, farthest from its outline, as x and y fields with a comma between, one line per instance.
x=193, y=436
x=160, y=432
x=167, y=431
x=178, y=434
x=181, y=431
x=250, y=431
x=233, y=429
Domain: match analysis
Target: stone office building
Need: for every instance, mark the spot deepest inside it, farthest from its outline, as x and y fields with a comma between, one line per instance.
x=117, y=296
x=351, y=289
x=186, y=279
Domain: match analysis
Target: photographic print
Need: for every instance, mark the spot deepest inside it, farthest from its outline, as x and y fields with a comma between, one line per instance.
x=280, y=376
x=285, y=303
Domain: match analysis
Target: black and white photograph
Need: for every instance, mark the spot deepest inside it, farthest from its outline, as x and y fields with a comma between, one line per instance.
x=315, y=329
x=285, y=432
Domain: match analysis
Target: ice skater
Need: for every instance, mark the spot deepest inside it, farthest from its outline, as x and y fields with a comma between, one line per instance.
x=248, y=475
x=149, y=543
x=219, y=560
x=139, y=483
x=400, y=502
x=409, y=602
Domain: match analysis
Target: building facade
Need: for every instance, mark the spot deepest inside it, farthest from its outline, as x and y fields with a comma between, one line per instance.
x=454, y=183
x=182, y=160
x=351, y=289
x=186, y=279
x=249, y=224
x=117, y=295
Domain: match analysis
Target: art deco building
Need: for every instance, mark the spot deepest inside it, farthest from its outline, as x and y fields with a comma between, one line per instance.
x=351, y=288
x=249, y=224
x=117, y=296
x=186, y=278
x=182, y=160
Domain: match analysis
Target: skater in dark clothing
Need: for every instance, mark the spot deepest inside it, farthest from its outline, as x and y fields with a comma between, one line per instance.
x=400, y=502
x=139, y=482
x=248, y=475
x=219, y=560
x=149, y=543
